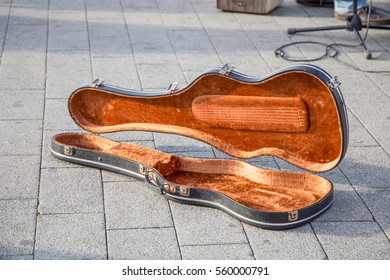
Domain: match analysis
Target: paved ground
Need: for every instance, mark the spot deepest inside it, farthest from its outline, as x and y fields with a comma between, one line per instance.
x=50, y=209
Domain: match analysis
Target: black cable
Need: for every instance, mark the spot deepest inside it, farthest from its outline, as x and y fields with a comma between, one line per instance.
x=330, y=49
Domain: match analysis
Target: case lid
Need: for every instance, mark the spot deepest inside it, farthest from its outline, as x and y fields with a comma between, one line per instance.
x=296, y=113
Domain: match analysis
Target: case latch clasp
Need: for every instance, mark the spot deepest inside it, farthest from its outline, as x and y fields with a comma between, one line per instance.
x=293, y=215
x=172, y=87
x=96, y=83
x=333, y=83
x=226, y=69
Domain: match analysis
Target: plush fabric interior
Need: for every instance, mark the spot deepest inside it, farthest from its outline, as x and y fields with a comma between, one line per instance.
x=310, y=137
x=268, y=190
x=252, y=113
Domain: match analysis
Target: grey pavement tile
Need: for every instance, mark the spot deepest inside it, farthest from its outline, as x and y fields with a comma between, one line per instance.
x=26, y=36
x=353, y=240
x=356, y=85
x=269, y=29
x=217, y=252
x=24, y=69
x=149, y=53
x=110, y=47
x=191, y=40
x=19, y=176
x=175, y=7
x=347, y=205
x=35, y=16
x=371, y=108
x=299, y=243
x=143, y=244
x=175, y=143
x=111, y=8
x=57, y=116
x=133, y=205
x=70, y=190
x=238, y=45
x=358, y=134
x=198, y=60
x=17, y=227
x=219, y=23
x=159, y=75
x=118, y=71
x=67, y=70
x=197, y=225
x=71, y=237
x=68, y=20
x=59, y=39
x=18, y=257
x=22, y=104
x=367, y=167
x=180, y=20
x=66, y=6
x=147, y=33
x=100, y=28
x=381, y=81
x=201, y=154
x=109, y=176
x=139, y=5
x=20, y=137
x=108, y=38
x=378, y=201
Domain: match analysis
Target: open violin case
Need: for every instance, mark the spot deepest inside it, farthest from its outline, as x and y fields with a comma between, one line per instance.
x=296, y=113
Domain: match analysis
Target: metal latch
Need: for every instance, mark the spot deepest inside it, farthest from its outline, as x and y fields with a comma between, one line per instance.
x=96, y=83
x=226, y=69
x=184, y=191
x=333, y=83
x=68, y=151
x=293, y=215
x=172, y=87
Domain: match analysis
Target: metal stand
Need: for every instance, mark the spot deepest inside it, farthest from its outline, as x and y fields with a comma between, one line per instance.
x=354, y=23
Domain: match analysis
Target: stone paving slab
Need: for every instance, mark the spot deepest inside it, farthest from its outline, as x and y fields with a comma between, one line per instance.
x=72, y=65
x=205, y=226
x=17, y=227
x=76, y=190
x=22, y=104
x=71, y=236
x=49, y=48
x=378, y=201
x=298, y=243
x=217, y=252
x=131, y=244
x=358, y=240
x=20, y=137
x=132, y=205
x=25, y=184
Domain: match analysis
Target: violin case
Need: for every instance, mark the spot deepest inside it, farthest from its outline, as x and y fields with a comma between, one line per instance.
x=296, y=113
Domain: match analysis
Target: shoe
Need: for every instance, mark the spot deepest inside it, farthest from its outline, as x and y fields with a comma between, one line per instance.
x=378, y=16
x=317, y=3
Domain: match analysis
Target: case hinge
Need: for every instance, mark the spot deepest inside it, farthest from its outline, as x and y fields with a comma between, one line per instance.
x=172, y=87
x=96, y=83
x=333, y=83
x=226, y=69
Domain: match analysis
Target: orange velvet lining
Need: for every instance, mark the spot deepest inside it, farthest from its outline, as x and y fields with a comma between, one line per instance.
x=316, y=145
x=268, y=190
